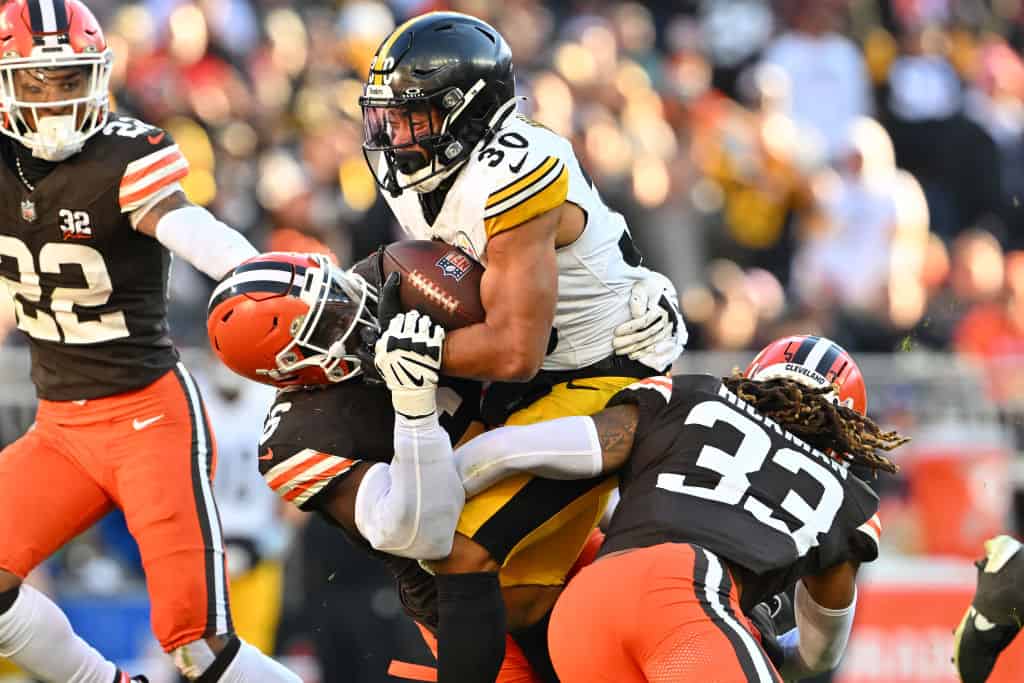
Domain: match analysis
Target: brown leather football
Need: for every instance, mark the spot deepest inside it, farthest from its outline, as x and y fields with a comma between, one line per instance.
x=438, y=280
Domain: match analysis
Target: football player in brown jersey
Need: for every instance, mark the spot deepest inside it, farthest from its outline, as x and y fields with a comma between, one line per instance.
x=732, y=490
x=92, y=210
x=333, y=442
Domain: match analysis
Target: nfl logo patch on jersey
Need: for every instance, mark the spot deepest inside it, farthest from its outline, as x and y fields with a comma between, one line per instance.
x=28, y=210
x=455, y=265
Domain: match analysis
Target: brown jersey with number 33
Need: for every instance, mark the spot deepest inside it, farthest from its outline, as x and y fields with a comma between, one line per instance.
x=708, y=469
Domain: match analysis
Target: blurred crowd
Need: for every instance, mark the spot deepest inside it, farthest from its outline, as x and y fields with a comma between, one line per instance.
x=852, y=167
x=848, y=167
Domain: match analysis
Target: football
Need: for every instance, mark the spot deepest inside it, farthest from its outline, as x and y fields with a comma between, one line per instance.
x=438, y=280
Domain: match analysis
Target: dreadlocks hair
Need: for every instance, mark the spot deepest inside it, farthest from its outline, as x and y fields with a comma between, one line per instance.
x=807, y=413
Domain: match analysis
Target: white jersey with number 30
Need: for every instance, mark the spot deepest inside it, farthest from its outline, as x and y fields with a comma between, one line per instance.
x=524, y=171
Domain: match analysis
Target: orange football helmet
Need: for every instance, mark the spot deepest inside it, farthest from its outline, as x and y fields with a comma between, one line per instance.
x=39, y=35
x=284, y=318
x=815, y=362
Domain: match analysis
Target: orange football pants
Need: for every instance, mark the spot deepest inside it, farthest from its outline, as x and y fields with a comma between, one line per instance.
x=150, y=452
x=667, y=613
x=515, y=668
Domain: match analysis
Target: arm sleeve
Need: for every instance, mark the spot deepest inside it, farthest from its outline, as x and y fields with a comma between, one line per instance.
x=410, y=508
x=564, y=448
x=819, y=640
x=195, y=234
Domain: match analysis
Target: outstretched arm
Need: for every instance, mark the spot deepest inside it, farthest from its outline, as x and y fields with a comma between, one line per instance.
x=194, y=234
x=566, y=448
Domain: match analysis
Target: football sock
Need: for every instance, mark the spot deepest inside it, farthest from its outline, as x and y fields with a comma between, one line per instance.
x=35, y=635
x=240, y=662
x=533, y=641
x=471, y=628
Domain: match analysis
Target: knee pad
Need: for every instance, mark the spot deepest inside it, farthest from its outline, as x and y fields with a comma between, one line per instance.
x=193, y=659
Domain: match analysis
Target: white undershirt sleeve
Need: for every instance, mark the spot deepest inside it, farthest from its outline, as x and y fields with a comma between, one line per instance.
x=564, y=448
x=818, y=642
x=195, y=234
x=410, y=508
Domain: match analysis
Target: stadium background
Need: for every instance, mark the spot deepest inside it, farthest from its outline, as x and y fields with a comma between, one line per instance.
x=846, y=167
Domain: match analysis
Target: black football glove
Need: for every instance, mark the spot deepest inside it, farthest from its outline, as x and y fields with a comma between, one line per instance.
x=767, y=617
x=389, y=304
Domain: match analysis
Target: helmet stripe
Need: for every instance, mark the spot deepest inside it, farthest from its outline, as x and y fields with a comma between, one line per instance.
x=35, y=16
x=60, y=15
x=272, y=280
x=382, y=54
x=48, y=19
x=283, y=266
x=264, y=287
x=804, y=350
x=818, y=351
x=827, y=360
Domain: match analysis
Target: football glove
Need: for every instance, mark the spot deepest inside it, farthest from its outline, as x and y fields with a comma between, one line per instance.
x=408, y=357
x=769, y=618
x=389, y=304
x=656, y=334
x=995, y=616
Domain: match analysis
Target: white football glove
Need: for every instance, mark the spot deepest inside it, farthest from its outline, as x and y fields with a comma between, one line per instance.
x=656, y=334
x=408, y=358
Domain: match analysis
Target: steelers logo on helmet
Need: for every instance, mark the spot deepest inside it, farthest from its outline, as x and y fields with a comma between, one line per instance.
x=814, y=362
x=438, y=85
x=54, y=76
x=286, y=319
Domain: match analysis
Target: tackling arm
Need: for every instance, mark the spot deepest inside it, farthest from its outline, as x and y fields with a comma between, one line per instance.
x=565, y=448
x=194, y=234
x=824, y=606
x=519, y=290
x=410, y=507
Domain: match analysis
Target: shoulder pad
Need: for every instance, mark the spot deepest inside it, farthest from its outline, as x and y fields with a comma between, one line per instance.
x=152, y=160
x=650, y=393
x=660, y=385
x=867, y=539
x=288, y=459
x=528, y=172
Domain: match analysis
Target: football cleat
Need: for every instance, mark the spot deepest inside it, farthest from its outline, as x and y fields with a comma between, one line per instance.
x=996, y=614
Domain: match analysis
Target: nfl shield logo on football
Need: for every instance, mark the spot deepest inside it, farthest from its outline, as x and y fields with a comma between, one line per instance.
x=455, y=265
x=28, y=210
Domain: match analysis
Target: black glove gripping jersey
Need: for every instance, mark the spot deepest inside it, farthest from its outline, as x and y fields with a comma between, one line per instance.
x=708, y=469
x=313, y=437
x=90, y=291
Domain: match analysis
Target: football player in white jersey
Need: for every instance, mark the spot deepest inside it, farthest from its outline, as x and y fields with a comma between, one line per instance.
x=572, y=316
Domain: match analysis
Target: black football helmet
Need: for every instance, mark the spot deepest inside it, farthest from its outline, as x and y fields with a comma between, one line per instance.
x=438, y=85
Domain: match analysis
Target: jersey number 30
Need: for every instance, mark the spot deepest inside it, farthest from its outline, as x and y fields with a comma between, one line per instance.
x=735, y=469
x=60, y=322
